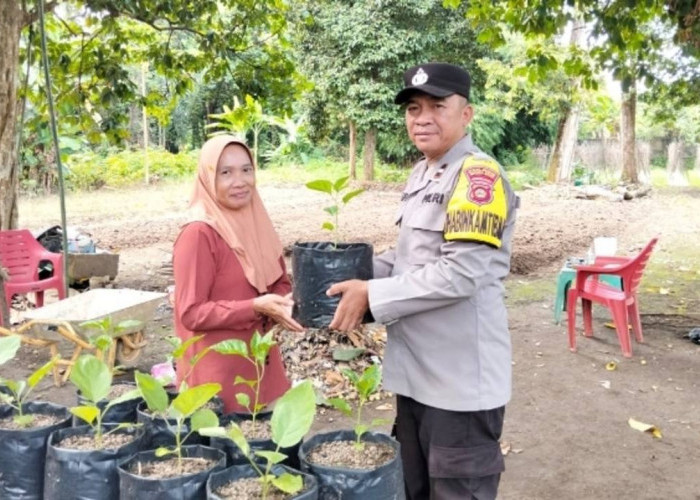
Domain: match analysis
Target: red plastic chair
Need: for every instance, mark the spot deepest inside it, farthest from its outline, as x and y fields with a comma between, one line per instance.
x=623, y=303
x=20, y=254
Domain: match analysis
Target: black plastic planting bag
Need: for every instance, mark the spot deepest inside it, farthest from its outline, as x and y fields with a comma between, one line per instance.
x=22, y=453
x=383, y=483
x=72, y=473
x=219, y=479
x=189, y=487
x=234, y=456
x=318, y=265
x=161, y=432
x=123, y=412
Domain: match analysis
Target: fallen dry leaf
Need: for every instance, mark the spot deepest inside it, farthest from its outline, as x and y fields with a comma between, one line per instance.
x=664, y=291
x=505, y=448
x=642, y=427
x=385, y=407
x=605, y=384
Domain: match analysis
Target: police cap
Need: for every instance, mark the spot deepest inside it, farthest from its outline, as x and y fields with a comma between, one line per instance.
x=435, y=79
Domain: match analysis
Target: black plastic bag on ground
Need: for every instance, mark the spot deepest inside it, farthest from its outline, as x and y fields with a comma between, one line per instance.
x=315, y=267
x=161, y=432
x=234, y=456
x=72, y=473
x=189, y=487
x=22, y=452
x=382, y=483
x=221, y=478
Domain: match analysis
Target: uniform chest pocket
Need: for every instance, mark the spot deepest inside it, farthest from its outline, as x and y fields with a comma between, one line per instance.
x=426, y=211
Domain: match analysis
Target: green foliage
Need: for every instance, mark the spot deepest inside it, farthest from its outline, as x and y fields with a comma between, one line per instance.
x=107, y=331
x=340, y=195
x=365, y=384
x=187, y=404
x=291, y=419
x=91, y=170
x=20, y=389
x=257, y=355
x=93, y=378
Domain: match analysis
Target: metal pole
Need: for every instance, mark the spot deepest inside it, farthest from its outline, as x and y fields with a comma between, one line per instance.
x=54, y=133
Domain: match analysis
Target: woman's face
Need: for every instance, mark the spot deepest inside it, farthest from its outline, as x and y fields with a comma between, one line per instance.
x=235, y=178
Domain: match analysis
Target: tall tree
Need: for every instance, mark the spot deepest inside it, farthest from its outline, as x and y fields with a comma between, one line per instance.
x=356, y=51
x=93, y=42
x=627, y=38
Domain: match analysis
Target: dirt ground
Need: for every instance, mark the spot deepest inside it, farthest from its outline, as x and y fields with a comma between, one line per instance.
x=566, y=433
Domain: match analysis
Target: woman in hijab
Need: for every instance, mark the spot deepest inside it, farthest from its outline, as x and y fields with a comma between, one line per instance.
x=230, y=276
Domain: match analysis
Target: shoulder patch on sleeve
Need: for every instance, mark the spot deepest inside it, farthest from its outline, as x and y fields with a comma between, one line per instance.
x=478, y=208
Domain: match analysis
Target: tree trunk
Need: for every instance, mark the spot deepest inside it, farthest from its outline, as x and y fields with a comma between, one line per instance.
x=553, y=168
x=10, y=28
x=352, y=150
x=368, y=160
x=628, y=113
x=674, y=165
x=697, y=158
x=568, y=145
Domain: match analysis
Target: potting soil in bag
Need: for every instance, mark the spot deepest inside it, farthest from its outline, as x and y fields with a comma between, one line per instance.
x=221, y=478
x=234, y=455
x=161, y=432
x=383, y=483
x=189, y=487
x=22, y=452
x=72, y=473
x=318, y=265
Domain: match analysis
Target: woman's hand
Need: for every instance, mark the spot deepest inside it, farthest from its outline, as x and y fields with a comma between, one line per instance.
x=279, y=309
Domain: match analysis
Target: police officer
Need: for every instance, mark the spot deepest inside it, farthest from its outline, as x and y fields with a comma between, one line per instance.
x=440, y=294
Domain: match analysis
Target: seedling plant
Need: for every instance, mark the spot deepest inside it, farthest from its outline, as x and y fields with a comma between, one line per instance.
x=93, y=378
x=365, y=384
x=340, y=196
x=188, y=404
x=291, y=419
x=107, y=331
x=20, y=389
x=256, y=353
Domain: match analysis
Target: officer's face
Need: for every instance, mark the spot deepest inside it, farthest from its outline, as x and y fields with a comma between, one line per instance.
x=436, y=124
x=235, y=177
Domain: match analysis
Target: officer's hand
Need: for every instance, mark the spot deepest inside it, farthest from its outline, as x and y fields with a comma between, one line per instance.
x=279, y=309
x=353, y=304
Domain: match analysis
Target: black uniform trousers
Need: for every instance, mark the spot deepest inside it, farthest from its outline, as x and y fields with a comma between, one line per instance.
x=449, y=455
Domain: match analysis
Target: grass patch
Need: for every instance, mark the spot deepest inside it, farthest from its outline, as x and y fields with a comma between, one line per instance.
x=659, y=178
x=523, y=291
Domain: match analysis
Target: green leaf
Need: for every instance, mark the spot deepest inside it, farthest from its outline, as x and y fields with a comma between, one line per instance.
x=219, y=432
x=349, y=196
x=354, y=377
x=8, y=347
x=127, y=396
x=249, y=382
x=128, y=324
x=360, y=429
x=198, y=357
x=293, y=415
x=194, y=398
x=151, y=390
x=243, y=399
x=289, y=483
x=235, y=434
x=260, y=346
x=328, y=226
x=86, y=413
x=103, y=324
x=23, y=420
x=162, y=452
x=203, y=418
x=380, y=421
x=7, y=398
x=333, y=209
x=323, y=185
x=180, y=350
x=92, y=377
x=369, y=381
x=340, y=354
x=234, y=347
x=340, y=405
x=102, y=342
x=272, y=457
x=340, y=184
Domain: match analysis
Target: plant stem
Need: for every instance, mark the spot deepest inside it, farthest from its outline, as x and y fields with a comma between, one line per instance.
x=178, y=444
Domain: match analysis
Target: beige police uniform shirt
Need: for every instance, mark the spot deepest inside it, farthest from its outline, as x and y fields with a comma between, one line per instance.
x=440, y=290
